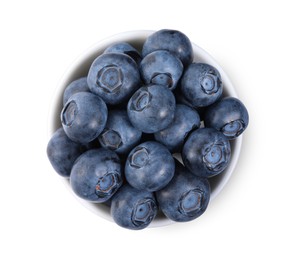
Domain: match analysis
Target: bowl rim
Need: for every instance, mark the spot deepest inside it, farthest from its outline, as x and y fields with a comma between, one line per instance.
x=129, y=36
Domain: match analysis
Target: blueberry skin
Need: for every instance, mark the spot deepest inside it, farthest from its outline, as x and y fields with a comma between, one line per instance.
x=119, y=134
x=186, y=197
x=149, y=166
x=151, y=108
x=161, y=67
x=229, y=116
x=201, y=84
x=125, y=48
x=96, y=175
x=114, y=77
x=78, y=85
x=133, y=209
x=84, y=117
x=185, y=120
x=206, y=152
x=62, y=152
x=170, y=40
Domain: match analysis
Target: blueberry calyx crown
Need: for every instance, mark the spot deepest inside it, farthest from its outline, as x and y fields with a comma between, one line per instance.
x=164, y=79
x=107, y=184
x=139, y=158
x=215, y=156
x=144, y=212
x=140, y=100
x=110, y=78
x=210, y=82
x=233, y=128
x=111, y=139
x=191, y=202
x=69, y=113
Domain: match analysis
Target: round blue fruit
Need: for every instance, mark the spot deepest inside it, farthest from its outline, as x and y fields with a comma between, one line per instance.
x=170, y=40
x=84, y=117
x=206, y=152
x=119, y=135
x=186, y=197
x=149, y=166
x=96, y=175
x=201, y=84
x=114, y=77
x=132, y=208
x=62, y=152
x=185, y=120
x=162, y=68
x=229, y=116
x=151, y=108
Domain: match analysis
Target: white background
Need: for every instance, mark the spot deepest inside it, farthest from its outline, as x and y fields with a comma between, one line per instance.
x=250, y=219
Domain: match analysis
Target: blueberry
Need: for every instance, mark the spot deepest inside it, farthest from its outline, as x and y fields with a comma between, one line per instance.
x=201, y=84
x=206, y=152
x=125, y=48
x=185, y=120
x=114, y=77
x=119, y=134
x=62, y=152
x=78, y=85
x=170, y=40
x=149, y=166
x=96, y=175
x=186, y=197
x=132, y=208
x=151, y=108
x=229, y=116
x=84, y=117
x=162, y=68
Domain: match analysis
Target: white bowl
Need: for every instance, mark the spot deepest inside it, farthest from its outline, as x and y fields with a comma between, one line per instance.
x=80, y=67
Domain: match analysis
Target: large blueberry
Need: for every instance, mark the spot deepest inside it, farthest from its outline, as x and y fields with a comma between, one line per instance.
x=119, y=134
x=125, y=48
x=151, y=108
x=84, y=117
x=206, y=152
x=62, y=152
x=186, y=197
x=161, y=67
x=170, y=40
x=114, y=77
x=78, y=85
x=132, y=208
x=229, y=116
x=185, y=120
x=201, y=84
x=96, y=175
x=149, y=166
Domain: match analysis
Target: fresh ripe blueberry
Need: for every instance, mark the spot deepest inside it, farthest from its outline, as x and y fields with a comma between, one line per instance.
x=206, y=152
x=62, y=152
x=186, y=197
x=114, y=77
x=151, y=108
x=96, y=175
x=229, y=116
x=170, y=40
x=84, y=117
x=132, y=208
x=185, y=120
x=201, y=84
x=162, y=68
x=126, y=48
x=149, y=166
x=119, y=134
x=78, y=85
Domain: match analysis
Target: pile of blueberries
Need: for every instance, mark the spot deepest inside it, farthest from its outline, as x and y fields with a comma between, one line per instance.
x=123, y=124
